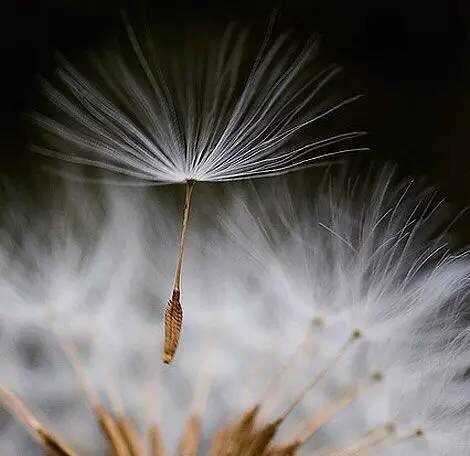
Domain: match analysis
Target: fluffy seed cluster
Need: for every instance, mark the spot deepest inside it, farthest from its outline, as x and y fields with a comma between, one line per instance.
x=328, y=325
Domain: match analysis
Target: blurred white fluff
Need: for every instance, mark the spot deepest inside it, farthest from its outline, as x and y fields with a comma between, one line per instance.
x=361, y=254
x=209, y=110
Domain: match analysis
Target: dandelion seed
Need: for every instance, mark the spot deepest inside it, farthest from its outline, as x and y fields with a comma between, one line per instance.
x=204, y=117
x=174, y=311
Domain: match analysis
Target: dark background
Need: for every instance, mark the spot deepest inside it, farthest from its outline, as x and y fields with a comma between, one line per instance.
x=410, y=58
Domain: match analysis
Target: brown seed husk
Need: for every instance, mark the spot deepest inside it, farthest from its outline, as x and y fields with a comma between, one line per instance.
x=173, y=325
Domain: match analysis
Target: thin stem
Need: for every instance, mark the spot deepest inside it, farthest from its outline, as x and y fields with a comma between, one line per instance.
x=356, y=334
x=184, y=228
x=276, y=381
x=174, y=311
x=326, y=413
x=374, y=438
x=18, y=409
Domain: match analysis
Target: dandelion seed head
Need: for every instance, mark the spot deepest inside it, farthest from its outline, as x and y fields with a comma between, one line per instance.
x=364, y=315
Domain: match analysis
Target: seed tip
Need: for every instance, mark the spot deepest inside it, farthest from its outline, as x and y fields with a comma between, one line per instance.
x=166, y=358
x=356, y=334
x=377, y=376
x=318, y=322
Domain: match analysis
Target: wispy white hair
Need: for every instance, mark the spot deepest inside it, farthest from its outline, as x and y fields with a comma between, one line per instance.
x=362, y=255
x=205, y=111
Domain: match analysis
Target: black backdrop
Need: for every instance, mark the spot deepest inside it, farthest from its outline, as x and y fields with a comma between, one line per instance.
x=412, y=59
